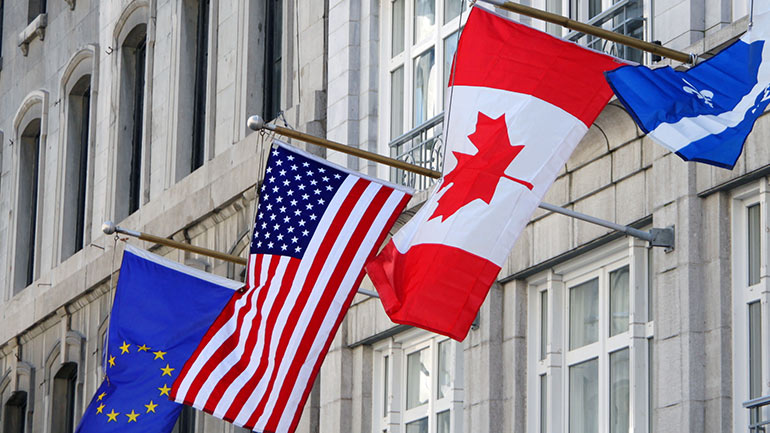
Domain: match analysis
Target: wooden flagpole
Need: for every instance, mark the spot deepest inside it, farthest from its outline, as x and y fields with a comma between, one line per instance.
x=595, y=31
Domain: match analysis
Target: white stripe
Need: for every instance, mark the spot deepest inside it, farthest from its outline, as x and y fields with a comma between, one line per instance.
x=675, y=136
x=294, y=291
x=221, y=335
x=303, y=378
x=245, y=326
x=343, y=239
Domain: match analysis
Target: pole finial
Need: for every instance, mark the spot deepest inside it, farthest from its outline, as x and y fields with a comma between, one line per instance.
x=256, y=123
x=108, y=227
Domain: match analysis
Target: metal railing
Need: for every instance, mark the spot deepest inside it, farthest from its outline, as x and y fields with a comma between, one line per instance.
x=421, y=146
x=757, y=422
x=626, y=17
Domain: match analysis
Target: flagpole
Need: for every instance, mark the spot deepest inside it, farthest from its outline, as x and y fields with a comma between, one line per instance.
x=656, y=237
x=594, y=31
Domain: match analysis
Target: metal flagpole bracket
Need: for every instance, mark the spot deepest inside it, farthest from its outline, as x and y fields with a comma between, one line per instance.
x=663, y=238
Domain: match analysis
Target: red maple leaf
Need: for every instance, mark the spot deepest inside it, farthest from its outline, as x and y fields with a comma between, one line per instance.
x=477, y=176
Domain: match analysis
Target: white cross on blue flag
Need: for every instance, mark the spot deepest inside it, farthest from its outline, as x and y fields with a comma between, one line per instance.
x=703, y=114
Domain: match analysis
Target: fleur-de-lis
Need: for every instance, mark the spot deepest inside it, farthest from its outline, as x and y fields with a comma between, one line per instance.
x=705, y=95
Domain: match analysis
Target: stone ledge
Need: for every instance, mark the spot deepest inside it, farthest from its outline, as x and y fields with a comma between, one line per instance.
x=35, y=29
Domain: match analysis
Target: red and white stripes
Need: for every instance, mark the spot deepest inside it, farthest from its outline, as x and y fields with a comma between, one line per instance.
x=257, y=363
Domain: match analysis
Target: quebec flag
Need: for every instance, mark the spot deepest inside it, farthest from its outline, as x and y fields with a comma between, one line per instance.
x=703, y=114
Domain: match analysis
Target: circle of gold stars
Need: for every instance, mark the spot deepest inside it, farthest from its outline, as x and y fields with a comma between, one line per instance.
x=150, y=407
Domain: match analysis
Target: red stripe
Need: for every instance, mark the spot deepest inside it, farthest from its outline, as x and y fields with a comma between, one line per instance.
x=497, y=53
x=318, y=264
x=317, y=367
x=223, y=317
x=425, y=287
x=251, y=340
x=319, y=314
x=231, y=342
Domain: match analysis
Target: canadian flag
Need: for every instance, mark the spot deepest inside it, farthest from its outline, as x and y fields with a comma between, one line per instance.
x=521, y=102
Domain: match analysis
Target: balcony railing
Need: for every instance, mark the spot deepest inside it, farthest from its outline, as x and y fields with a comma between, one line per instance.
x=624, y=17
x=757, y=422
x=421, y=146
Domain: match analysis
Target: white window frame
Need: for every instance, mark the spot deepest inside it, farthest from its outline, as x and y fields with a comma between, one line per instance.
x=743, y=295
x=406, y=59
x=396, y=349
x=557, y=282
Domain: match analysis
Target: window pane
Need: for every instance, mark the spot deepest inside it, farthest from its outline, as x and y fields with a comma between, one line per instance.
x=397, y=102
x=417, y=379
x=543, y=323
x=755, y=350
x=385, y=386
x=397, y=28
x=445, y=365
x=419, y=426
x=650, y=388
x=444, y=422
x=584, y=314
x=450, y=47
x=619, y=311
x=543, y=404
x=584, y=397
x=753, y=242
x=424, y=87
x=594, y=8
x=424, y=19
x=553, y=6
x=619, y=391
x=452, y=9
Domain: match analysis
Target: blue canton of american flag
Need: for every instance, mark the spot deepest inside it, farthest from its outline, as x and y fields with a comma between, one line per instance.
x=295, y=193
x=317, y=225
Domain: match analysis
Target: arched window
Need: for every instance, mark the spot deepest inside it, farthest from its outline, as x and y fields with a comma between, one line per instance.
x=63, y=398
x=14, y=413
x=27, y=216
x=131, y=122
x=76, y=166
x=193, y=82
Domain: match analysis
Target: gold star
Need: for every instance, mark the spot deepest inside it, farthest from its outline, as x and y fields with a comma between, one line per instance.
x=113, y=416
x=143, y=348
x=124, y=348
x=111, y=361
x=151, y=407
x=100, y=408
x=164, y=390
x=159, y=354
x=167, y=371
x=101, y=396
x=132, y=416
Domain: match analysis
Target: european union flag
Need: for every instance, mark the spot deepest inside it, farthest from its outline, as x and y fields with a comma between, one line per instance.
x=161, y=311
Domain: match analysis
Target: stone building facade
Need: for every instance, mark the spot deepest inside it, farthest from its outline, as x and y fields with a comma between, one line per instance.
x=135, y=111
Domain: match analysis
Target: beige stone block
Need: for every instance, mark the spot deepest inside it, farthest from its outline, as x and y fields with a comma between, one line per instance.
x=552, y=236
x=617, y=125
x=626, y=160
x=600, y=205
x=592, y=146
x=630, y=201
x=591, y=178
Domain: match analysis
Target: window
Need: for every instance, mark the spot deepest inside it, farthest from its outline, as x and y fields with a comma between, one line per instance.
x=581, y=334
x=622, y=17
x=750, y=300
x=131, y=128
x=273, y=57
x=420, y=48
x=186, y=421
x=14, y=413
x=63, y=399
x=193, y=82
x=418, y=378
x=76, y=167
x=27, y=217
x=35, y=8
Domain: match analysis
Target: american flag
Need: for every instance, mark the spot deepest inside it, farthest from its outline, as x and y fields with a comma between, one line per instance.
x=316, y=226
